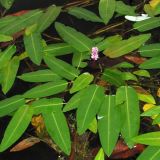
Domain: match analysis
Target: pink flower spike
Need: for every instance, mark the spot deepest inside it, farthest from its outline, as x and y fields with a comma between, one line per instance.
x=94, y=54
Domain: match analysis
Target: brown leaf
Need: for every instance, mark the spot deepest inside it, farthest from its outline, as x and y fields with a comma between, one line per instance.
x=24, y=144
x=135, y=59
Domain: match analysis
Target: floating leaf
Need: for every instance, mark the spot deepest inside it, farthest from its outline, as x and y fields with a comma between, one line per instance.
x=33, y=46
x=16, y=127
x=11, y=104
x=81, y=82
x=113, y=77
x=126, y=46
x=61, y=68
x=143, y=73
x=109, y=124
x=48, y=17
x=152, y=63
x=82, y=13
x=46, y=89
x=127, y=100
x=45, y=75
x=151, y=50
x=89, y=106
x=76, y=39
x=57, y=128
x=6, y=55
x=148, y=24
x=100, y=155
x=9, y=74
x=150, y=153
x=58, y=49
x=151, y=139
x=106, y=9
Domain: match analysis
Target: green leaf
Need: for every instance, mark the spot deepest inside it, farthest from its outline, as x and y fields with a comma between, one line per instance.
x=61, y=68
x=11, y=104
x=150, y=153
x=6, y=55
x=106, y=9
x=152, y=63
x=127, y=99
x=151, y=50
x=42, y=105
x=46, y=89
x=148, y=24
x=45, y=75
x=33, y=46
x=100, y=155
x=156, y=120
x=109, y=124
x=113, y=77
x=6, y=3
x=9, y=74
x=81, y=82
x=57, y=128
x=58, y=49
x=151, y=139
x=73, y=103
x=76, y=39
x=152, y=111
x=108, y=42
x=89, y=107
x=79, y=59
x=146, y=98
x=82, y=13
x=126, y=46
x=124, y=65
x=93, y=126
x=22, y=22
x=127, y=76
x=48, y=17
x=16, y=127
x=143, y=73
x=4, y=38
x=124, y=9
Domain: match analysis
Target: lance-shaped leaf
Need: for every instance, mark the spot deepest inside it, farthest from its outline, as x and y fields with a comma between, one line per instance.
x=6, y=55
x=127, y=99
x=126, y=46
x=22, y=22
x=57, y=128
x=124, y=65
x=113, y=77
x=79, y=58
x=42, y=105
x=11, y=104
x=156, y=120
x=124, y=9
x=151, y=50
x=46, y=89
x=73, y=103
x=45, y=75
x=150, y=153
x=82, y=13
x=152, y=111
x=48, y=17
x=151, y=139
x=81, y=82
x=9, y=74
x=152, y=63
x=76, y=39
x=4, y=38
x=143, y=73
x=106, y=9
x=109, y=124
x=100, y=155
x=58, y=49
x=16, y=127
x=61, y=68
x=148, y=24
x=33, y=46
x=89, y=106
x=6, y=3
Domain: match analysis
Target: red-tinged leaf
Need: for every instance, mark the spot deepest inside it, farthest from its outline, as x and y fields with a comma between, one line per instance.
x=20, y=13
x=135, y=59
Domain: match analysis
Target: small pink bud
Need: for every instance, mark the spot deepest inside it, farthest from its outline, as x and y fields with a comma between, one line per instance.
x=94, y=54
